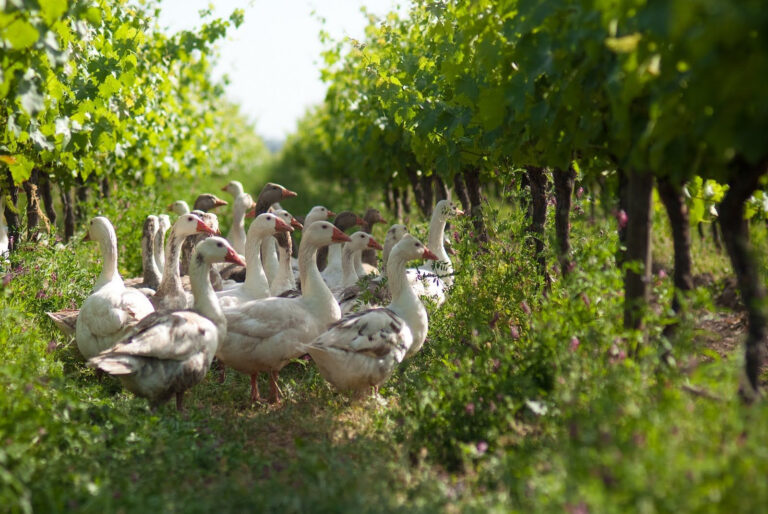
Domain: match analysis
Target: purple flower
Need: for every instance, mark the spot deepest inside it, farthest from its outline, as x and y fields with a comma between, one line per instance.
x=574, y=343
x=579, y=192
x=51, y=346
x=482, y=447
x=622, y=218
x=662, y=273
x=470, y=409
x=524, y=306
x=456, y=235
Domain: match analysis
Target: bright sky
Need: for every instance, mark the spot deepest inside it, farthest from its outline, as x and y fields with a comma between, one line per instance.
x=273, y=59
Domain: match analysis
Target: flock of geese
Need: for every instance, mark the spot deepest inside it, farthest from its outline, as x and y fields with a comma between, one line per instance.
x=248, y=302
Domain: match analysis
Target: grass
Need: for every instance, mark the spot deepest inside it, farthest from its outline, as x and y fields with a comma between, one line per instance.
x=518, y=402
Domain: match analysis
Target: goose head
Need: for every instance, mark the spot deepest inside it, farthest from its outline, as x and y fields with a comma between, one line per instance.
x=179, y=207
x=348, y=219
x=395, y=234
x=164, y=222
x=410, y=248
x=206, y=202
x=191, y=224
x=362, y=241
x=289, y=219
x=371, y=217
x=100, y=229
x=446, y=209
x=209, y=219
x=151, y=226
x=235, y=188
x=323, y=233
x=269, y=224
x=318, y=213
x=273, y=193
x=217, y=249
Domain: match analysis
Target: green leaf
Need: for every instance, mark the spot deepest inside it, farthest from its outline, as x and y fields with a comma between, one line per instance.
x=31, y=99
x=490, y=107
x=52, y=9
x=22, y=169
x=21, y=34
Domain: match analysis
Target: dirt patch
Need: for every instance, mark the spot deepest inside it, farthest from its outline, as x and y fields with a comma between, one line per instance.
x=723, y=331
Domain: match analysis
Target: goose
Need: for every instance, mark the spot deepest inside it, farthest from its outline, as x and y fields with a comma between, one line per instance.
x=179, y=208
x=166, y=354
x=351, y=256
x=235, y=188
x=270, y=194
x=264, y=335
x=236, y=235
x=349, y=298
x=285, y=279
x=151, y=276
x=204, y=203
x=369, y=260
x=361, y=350
x=316, y=213
x=159, y=253
x=332, y=272
x=170, y=294
x=111, y=309
x=255, y=286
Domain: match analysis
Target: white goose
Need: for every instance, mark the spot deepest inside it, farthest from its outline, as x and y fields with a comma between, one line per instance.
x=351, y=269
x=242, y=203
x=112, y=309
x=170, y=294
x=166, y=354
x=362, y=349
x=316, y=213
x=332, y=272
x=431, y=281
x=264, y=335
x=255, y=286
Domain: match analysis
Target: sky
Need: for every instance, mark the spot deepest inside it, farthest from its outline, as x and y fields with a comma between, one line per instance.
x=273, y=59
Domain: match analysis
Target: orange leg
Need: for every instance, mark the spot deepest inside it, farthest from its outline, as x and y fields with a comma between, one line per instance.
x=255, y=395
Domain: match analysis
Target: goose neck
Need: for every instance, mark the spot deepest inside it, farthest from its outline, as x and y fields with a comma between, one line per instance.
x=315, y=292
x=206, y=302
x=109, y=271
x=255, y=278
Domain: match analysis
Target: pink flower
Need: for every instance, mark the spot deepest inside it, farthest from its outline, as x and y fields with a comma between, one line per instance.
x=456, y=236
x=524, y=306
x=482, y=447
x=622, y=218
x=51, y=346
x=662, y=273
x=470, y=409
x=579, y=192
x=574, y=343
x=514, y=333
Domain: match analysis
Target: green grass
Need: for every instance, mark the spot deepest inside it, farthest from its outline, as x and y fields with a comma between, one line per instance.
x=516, y=403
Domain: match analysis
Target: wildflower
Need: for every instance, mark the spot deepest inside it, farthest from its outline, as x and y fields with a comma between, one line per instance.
x=662, y=274
x=622, y=218
x=574, y=343
x=456, y=235
x=514, y=332
x=51, y=346
x=579, y=192
x=525, y=307
x=470, y=409
x=482, y=447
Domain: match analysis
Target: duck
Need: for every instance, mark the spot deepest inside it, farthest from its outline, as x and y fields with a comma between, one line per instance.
x=362, y=349
x=369, y=260
x=255, y=286
x=264, y=335
x=170, y=294
x=332, y=256
x=285, y=279
x=111, y=309
x=167, y=354
x=179, y=208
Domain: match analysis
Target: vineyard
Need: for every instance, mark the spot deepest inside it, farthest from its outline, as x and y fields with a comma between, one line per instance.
x=601, y=344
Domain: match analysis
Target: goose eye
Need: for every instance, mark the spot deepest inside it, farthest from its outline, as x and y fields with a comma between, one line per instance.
x=219, y=245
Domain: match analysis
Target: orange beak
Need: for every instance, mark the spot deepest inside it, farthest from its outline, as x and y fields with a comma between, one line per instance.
x=381, y=220
x=219, y=202
x=459, y=212
x=251, y=212
x=202, y=227
x=372, y=243
x=339, y=236
x=331, y=214
x=287, y=193
x=296, y=224
x=234, y=258
x=225, y=188
x=281, y=226
x=429, y=255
